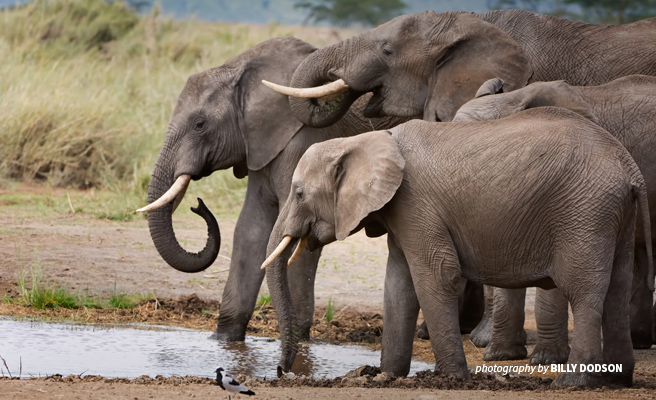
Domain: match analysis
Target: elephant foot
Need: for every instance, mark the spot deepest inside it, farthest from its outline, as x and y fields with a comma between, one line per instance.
x=592, y=379
x=482, y=334
x=494, y=352
x=304, y=333
x=229, y=335
x=454, y=372
x=642, y=340
x=231, y=329
x=422, y=331
x=546, y=355
x=578, y=379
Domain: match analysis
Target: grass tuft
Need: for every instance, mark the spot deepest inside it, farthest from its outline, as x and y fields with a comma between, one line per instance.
x=35, y=293
x=263, y=301
x=330, y=310
x=40, y=296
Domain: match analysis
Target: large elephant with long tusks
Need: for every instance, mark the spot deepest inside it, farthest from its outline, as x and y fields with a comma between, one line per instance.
x=225, y=118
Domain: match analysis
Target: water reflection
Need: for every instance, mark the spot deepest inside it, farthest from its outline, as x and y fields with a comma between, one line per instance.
x=131, y=351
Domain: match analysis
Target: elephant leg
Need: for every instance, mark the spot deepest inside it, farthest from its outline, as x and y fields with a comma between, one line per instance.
x=471, y=308
x=436, y=276
x=641, y=303
x=508, y=335
x=617, y=348
x=482, y=334
x=301, y=277
x=400, y=310
x=551, y=317
x=586, y=294
x=251, y=236
x=653, y=333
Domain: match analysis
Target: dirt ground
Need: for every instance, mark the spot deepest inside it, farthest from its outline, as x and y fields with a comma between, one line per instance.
x=82, y=253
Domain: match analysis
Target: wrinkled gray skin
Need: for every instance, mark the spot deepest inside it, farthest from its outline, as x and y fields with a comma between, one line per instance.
x=428, y=65
x=625, y=108
x=490, y=201
x=226, y=118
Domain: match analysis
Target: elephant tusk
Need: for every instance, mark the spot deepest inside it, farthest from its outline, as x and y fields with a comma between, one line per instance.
x=298, y=250
x=176, y=192
x=326, y=92
x=281, y=247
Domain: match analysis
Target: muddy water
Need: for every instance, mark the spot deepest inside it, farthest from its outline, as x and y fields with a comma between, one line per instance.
x=130, y=351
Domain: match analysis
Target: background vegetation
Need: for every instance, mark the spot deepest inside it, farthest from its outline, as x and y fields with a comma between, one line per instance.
x=87, y=88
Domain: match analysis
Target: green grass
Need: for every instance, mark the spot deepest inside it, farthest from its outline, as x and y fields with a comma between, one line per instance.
x=263, y=301
x=34, y=292
x=39, y=295
x=87, y=90
x=330, y=310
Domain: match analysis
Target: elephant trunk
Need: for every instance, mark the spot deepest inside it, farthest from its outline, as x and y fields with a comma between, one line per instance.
x=160, y=224
x=276, y=275
x=312, y=73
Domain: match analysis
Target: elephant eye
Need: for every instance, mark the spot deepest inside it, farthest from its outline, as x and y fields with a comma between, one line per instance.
x=299, y=194
x=387, y=49
x=199, y=124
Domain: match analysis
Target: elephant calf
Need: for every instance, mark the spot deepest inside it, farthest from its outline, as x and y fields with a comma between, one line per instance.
x=542, y=198
x=624, y=107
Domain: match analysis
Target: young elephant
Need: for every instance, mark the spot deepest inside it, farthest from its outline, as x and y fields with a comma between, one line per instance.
x=541, y=198
x=624, y=107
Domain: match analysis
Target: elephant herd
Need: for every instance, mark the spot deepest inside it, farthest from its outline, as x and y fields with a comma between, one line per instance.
x=533, y=166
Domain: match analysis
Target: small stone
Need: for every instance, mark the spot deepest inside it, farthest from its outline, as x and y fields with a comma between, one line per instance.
x=382, y=377
x=289, y=376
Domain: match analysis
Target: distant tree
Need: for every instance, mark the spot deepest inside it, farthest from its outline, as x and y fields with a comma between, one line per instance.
x=348, y=12
x=614, y=11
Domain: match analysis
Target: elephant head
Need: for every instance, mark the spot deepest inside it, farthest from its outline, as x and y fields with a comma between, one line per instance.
x=538, y=94
x=336, y=186
x=420, y=65
x=224, y=118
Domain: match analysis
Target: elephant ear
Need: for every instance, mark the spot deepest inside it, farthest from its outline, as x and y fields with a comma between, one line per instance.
x=557, y=94
x=267, y=122
x=490, y=86
x=367, y=174
x=468, y=52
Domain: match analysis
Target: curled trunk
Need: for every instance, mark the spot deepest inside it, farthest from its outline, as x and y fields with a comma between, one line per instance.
x=160, y=224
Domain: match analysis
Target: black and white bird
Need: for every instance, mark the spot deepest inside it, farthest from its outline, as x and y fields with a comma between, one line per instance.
x=230, y=385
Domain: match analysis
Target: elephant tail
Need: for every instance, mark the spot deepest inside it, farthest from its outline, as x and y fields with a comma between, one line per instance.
x=640, y=190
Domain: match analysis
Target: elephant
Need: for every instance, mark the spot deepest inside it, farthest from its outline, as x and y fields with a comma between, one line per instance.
x=541, y=198
x=226, y=118
x=623, y=107
x=428, y=65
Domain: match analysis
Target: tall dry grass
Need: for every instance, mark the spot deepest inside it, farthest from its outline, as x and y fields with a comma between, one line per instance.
x=87, y=88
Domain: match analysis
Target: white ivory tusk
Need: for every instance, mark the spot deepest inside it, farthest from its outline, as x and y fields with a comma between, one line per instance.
x=298, y=250
x=324, y=93
x=281, y=247
x=178, y=187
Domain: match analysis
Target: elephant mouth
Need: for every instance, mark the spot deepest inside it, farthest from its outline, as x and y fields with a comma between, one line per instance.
x=374, y=107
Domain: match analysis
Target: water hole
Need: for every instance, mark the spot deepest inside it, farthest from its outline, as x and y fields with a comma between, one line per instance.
x=36, y=348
